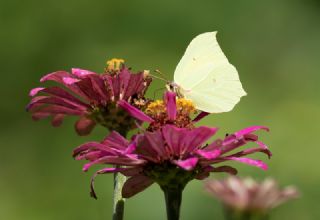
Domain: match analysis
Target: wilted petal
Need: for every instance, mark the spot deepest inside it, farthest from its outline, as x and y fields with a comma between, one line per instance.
x=84, y=126
x=226, y=169
x=200, y=116
x=102, y=171
x=135, y=185
x=57, y=120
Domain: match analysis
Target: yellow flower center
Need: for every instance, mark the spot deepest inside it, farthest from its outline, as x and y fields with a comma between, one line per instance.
x=185, y=106
x=114, y=64
x=158, y=107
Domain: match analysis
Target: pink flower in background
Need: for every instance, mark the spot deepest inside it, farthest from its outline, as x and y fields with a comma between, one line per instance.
x=248, y=196
x=170, y=156
x=90, y=96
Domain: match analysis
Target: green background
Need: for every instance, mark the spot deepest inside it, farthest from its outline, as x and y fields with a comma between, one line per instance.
x=274, y=45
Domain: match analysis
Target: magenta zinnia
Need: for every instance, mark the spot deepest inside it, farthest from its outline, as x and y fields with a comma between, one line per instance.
x=170, y=156
x=90, y=96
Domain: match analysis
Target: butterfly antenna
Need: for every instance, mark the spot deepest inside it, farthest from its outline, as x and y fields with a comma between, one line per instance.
x=157, y=77
x=160, y=73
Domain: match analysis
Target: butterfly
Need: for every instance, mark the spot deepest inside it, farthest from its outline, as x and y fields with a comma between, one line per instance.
x=205, y=76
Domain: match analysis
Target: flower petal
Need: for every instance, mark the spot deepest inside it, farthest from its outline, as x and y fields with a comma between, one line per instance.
x=187, y=164
x=57, y=120
x=135, y=185
x=134, y=112
x=250, y=130
x=170, y=100
x=184, y=140
x=102, y=171
x=200, y=116
x=257, y=163
x=209, y=154
x=84, y=126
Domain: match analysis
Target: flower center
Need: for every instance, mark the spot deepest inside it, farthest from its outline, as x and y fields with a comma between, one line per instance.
x=156, y=108
x=114, y=64
x=184, y=107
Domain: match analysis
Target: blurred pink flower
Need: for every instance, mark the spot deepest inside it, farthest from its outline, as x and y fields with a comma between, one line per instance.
x=170, y=156
x=247, y=195
x=90, y=96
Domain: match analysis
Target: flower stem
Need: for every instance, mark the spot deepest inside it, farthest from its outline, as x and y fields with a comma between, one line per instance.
x=173, y=199
x=118, y=200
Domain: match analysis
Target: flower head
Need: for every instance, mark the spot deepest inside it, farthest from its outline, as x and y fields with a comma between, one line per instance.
x=247, y=195
x=91, y=96
x=170, y=156
x=170, y=110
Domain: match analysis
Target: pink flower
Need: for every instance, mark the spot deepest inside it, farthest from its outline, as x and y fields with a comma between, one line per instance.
x=90, y=96
x=248, y=196
x=170, y=156
x=170, y=110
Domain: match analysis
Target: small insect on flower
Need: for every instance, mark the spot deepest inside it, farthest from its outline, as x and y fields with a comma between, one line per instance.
x=91, y=96
x=205, y=76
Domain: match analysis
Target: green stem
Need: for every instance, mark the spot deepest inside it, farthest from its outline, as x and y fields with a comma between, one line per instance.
x=173, y=199
x=118, y=200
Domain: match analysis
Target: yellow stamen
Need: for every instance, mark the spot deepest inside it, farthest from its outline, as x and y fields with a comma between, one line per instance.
x=114, y=64
x=155, y=108
x=158, y=107
x=185, y=106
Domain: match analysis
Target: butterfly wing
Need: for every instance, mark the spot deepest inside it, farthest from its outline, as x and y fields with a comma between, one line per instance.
x=205, y=76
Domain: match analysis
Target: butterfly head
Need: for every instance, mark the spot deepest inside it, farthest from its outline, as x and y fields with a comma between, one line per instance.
x=174, y=87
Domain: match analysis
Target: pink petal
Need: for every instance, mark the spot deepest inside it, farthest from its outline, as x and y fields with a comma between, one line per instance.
x=93, y=146
x=80, y=72
x=209, y=154
x=170, y=100
x=84, y=126
x=35, y=91
x=249, y=161
x=55, y=76
x=70, y=80
x=187, y=164
x=135, y=185
x=184, y=140
x=200, y=116
x=134, y=112
x=57, y=120
x=115, y=160
x=250, y=130
x=61, y=93
x=115, y=140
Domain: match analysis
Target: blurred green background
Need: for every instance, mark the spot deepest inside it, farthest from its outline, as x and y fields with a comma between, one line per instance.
x=275, y=46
